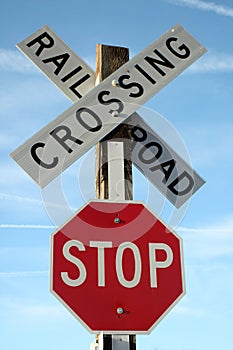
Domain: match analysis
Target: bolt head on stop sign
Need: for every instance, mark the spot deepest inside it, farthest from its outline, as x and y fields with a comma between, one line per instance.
x=117, y=267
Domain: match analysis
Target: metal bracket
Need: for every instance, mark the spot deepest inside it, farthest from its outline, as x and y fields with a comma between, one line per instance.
x=113, y=342
x=116, y=175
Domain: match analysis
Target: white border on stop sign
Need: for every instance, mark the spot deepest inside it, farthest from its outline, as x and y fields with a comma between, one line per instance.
x=181, y=261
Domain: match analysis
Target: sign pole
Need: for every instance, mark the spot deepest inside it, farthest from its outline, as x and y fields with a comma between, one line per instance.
x=108, y=60
x=113, y=168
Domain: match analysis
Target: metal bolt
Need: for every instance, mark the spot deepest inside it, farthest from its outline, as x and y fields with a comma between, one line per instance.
x=117, y=220
x=120, y=310
x=115, y=82
x=115, y=113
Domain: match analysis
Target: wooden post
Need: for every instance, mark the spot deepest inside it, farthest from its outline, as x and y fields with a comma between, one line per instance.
x=109, y=59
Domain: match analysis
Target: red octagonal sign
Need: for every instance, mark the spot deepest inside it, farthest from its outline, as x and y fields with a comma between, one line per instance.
x=116, y=267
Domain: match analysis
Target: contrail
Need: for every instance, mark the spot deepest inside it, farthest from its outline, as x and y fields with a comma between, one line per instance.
x=204, y=6
x=19, y=226
x=23, y=273
x=204, y=230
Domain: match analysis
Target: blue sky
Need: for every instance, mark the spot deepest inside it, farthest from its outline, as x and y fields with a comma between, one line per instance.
x=199, y=106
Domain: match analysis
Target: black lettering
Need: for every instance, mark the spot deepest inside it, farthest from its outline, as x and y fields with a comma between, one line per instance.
x=67, y=136
x=134, y=133
x=38, y=160
x=166, y=167
x=182, y=47
x=79, y=82
x=49, y=42
x=178, y=180
x=59, y=61
x=71, y=74
x=110, y=101
x=155, y=156
x=154, y=62
x=84, y=124
x=146, y=75
x=131, y=85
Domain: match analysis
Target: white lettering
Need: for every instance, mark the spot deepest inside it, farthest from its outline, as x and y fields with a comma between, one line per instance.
x=137, y=265
x=73, y=259
x=154, y=264
x=101, y=260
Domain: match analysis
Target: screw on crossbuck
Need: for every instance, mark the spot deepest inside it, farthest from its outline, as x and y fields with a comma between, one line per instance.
x=113, y=172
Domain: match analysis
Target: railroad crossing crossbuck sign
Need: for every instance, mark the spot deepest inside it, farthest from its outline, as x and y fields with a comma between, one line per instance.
x=51, y=150
x=115, y=266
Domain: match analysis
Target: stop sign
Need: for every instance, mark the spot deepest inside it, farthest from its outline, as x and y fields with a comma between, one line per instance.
x=116, y=267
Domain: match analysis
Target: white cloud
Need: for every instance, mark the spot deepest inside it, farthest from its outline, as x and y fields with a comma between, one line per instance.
x=20, y=199
x=207, y=151
x=14, y=61
x=47, y=312
x=33, y=310
x=5, y=141
x=187, y=310
x=209, y=242
x=213, y=62
x=11, y=176
x=57, y=212
x=204, y=6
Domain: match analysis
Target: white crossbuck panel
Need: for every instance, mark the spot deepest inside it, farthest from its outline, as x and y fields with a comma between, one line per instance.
x=59, y=63
x=55, y=147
